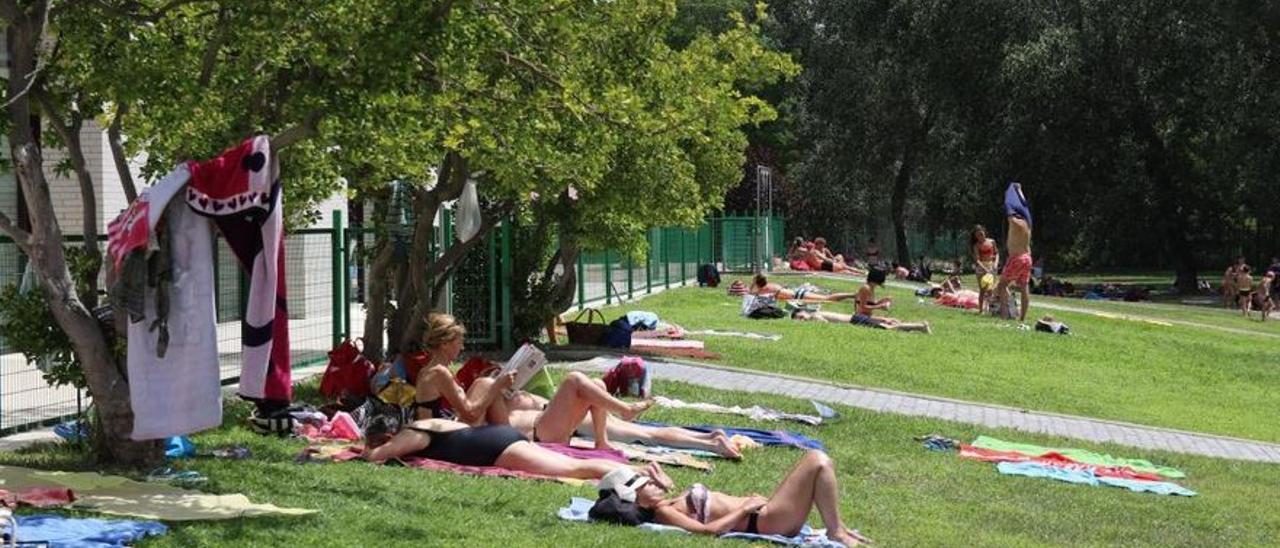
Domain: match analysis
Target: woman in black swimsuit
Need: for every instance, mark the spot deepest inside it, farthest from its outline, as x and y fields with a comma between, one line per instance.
x=627, y=497
x=493, y=445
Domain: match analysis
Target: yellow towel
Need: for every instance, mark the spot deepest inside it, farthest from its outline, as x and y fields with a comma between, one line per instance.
x=125, y=497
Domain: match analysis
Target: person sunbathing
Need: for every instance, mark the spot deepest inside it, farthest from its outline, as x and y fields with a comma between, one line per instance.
x=575, y=398
x=633, y=497
x=528, y=414
x=890, y=324
x=761, y=286
x=492, y=445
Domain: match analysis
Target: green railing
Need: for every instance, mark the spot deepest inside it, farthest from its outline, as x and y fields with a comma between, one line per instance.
x=327, y=279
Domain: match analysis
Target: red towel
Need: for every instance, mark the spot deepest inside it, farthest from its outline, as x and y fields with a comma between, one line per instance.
x=1055, y=459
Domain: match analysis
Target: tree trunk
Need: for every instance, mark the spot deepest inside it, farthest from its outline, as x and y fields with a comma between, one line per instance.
x=68, y=128
x=898, y=204
x=106, y=385
x=1174, y=214
x=375, y=317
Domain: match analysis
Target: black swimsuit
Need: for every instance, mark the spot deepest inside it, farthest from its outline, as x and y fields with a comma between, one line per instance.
x=478, y=446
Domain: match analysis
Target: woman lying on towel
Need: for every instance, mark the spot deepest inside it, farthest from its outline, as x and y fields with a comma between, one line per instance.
x=760, y=285
x=576, y=398
x=495, y=445
x=529, y=414
x=891, y=324
x=631, y=498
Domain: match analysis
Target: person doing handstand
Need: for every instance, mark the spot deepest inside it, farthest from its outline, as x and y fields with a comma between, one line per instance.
x=1018, y=270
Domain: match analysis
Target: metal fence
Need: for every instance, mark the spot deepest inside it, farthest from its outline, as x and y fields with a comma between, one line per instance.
x=327, y=280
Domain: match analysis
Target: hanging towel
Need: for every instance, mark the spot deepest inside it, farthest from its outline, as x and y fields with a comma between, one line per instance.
x=179, y=393
x=1078, y=455
x=68, y=532
x=240, y=191
x=754, y=412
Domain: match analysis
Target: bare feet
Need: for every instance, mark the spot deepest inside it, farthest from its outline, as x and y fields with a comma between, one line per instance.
x=725, y=447
x=928, y=329
x=634, y=410
x=848, y=537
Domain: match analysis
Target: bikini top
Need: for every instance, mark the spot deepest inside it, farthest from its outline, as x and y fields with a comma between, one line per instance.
x=986, y=250
x=698, y=501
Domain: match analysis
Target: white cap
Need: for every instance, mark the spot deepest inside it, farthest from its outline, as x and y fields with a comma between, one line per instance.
x=624, y=481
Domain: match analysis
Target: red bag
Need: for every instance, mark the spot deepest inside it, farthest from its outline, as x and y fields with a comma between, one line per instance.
x=475, y=368
x=629, y=378
x=348, y=372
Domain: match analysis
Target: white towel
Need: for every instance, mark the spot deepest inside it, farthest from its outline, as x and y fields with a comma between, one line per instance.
x=180, y=393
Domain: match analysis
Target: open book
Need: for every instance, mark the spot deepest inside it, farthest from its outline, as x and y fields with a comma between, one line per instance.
x=525, y=363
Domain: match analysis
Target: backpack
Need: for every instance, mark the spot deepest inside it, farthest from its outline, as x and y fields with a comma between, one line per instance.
x=708, y=276
x=629, y=378
x=618, y=334
x=348, y=372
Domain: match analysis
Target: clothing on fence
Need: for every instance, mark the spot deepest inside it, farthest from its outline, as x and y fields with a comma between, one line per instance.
x=754, y=412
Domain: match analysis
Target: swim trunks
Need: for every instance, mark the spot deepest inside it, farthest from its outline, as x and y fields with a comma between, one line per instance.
x=828, y=266
x=1018, y=269
x=864, y=319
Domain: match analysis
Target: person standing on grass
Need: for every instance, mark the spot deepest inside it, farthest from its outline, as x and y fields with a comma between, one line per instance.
x=1244, y=288
x=1230, y=292
x=986, y=257
x=1017, y=270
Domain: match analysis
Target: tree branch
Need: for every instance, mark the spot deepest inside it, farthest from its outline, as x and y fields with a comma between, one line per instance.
x=309, y=126
x=210, y=57
x=116, y=141
x=443, y=268
x=20, y=237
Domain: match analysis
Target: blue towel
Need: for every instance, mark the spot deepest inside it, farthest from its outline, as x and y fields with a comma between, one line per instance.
x=1015, y=203
x=1087, y=477
x=763, y=437
x=83, y=532
x=579, y=507
x=642, y=321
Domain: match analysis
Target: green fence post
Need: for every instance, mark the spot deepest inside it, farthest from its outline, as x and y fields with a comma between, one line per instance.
x=338, y=290
x=631, y=268
x=506, y=285
x=608, y=280
x=582, y=282
x=666, y=259
x=684, y=261
x=648, y=264
x=347, y=256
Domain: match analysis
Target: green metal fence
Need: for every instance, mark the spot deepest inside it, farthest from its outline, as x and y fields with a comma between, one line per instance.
x=327, y=272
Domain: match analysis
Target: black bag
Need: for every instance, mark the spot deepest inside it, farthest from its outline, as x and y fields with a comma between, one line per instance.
x=708, y=275
x=767, y=312
x=618, y=334
x=588, y=332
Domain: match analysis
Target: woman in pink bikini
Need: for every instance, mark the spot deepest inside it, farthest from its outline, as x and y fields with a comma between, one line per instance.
x=986, y=256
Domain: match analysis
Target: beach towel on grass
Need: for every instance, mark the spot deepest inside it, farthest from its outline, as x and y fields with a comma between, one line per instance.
x=62, y=531
x=816, y=538
x=647, y=453
x=991, y=455
x=742, y=334
x=122, y=496
x=1078, y=455
x=763, y=437
x=754, y=412
x=1086, y=476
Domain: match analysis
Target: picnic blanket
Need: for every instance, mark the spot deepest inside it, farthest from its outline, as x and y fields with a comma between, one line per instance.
x=39, y=497
x=579, y=507
x=653, y=453
x=1077, y=455
x=742, y=334
x=754, y=412
x=122, y=496
x=763, y=437
x=62, y=531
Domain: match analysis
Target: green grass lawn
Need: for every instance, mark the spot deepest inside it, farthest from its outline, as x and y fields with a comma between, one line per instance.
x=1171, y=376
x=893, y=490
